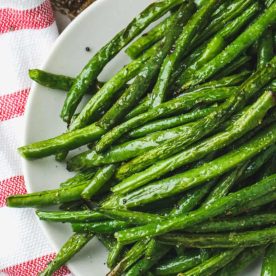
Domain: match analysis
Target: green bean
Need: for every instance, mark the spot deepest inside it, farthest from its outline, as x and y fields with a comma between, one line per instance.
x=150, y=70
x=225, y=240
x=268, y=3
x=171, y=122
x=258, y=162
x=123, y=151
x=68, y=250
x=195, y=131
x=66, y=141
x=106, y=53
x=265, y=49
x=218, y=43
x=234, y=66
x=73, y=206
x=154, y=252
x=55, y=81
x=191, y=199
x=102, y=176
x=102, y=227
x=225, y=184
x=114, y=255
x=269, y=261
x=227, y=81
x=213, y=226
x=51, y=80
x=102, y=98
x=179, y=48
x=213, y=264
x=184, y=262
x=143, y=161
x=215, y=142
x=252, y=205
x=149, y=38
x=234, y=223
x=75, y=216
x=135, y=253
x=241, y=262
x=168, y=108
x=45, y=198
x=253, y=32
x=132, y=217
x=108, y=241
x=78, y=179
x=185, y=181
x=262, y=188
x=146, y=40
x=234, y=9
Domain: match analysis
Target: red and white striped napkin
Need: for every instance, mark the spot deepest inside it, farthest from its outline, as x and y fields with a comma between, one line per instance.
x=27, y=32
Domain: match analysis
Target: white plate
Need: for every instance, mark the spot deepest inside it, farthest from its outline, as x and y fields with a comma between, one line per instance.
x=93, y=28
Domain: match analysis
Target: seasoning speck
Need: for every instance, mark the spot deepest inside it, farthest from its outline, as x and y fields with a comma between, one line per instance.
x=87, y=49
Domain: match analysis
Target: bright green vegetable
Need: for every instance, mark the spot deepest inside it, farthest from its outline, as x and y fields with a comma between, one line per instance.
x=234, y=223
x=249, y=36
x=225, y=184
x=149, y=38
x=179, y=48
x=110, y=89
x=265, y=48
x=154, y=252
x=208, y=171
x=171, y=107
x=234, y=66
x=134, y=254
x=225, y=240
x=188, y=260
x=75, y=216
x=269, y=261
x=92, y=69
x=171, y=122
x=248, y=89
x=241, y=262
x=235, y=130
x=227, y=81
x=102, y=176
x=213, y=264
x=114, y=255
x=123, y=151
x=150, y=70
x=108, y=241
x=68, y=250
x=66, y=141
x=258, y=162
x=213, y=226
x=45, y=198
x=262, y=188
x=219, y=42
x=132, y=217
x=55, y=81
x=51, y=80
x=233, y=9
x=102, y=227
x=80, y=178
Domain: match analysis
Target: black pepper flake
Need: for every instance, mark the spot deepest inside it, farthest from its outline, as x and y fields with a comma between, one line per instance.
x=11, y=28
x=87, y=49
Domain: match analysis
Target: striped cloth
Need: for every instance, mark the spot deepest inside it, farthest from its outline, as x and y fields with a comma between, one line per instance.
x=27, y=32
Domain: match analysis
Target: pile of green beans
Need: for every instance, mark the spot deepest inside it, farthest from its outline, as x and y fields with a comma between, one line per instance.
x=179, y=177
